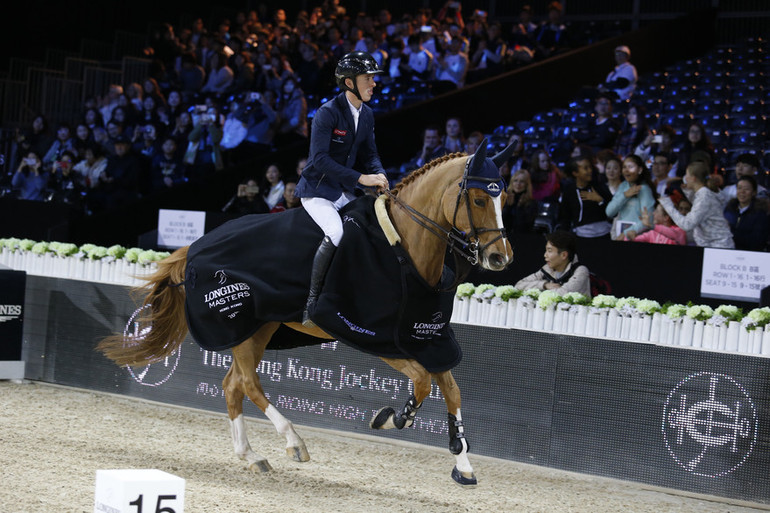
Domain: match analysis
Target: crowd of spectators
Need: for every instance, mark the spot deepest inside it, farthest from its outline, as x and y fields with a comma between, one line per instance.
x=222, y=93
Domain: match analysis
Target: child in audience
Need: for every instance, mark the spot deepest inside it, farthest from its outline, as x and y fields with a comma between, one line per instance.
x=660, y=230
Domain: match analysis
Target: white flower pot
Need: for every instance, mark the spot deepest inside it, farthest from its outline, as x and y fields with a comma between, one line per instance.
x=656, y=327
x=743, y=340
x=766, y=340
x=581, y=319
x=709, y=335
x=538, y=319
x=697, y=334
x=721, y=337
x=497, y=317
x=685, y=333
x=591, y=321
x=510, y=313
x=625, y=327
x=733, y=334
x=645, y=328
x=474, y=315
x=561, y=318
x=548, y=321
x=672, y=337
x=755, y=341
x=613, y=323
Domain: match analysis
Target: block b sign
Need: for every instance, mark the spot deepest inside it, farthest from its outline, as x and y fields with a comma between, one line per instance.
x=177, y=228
x=138, y=491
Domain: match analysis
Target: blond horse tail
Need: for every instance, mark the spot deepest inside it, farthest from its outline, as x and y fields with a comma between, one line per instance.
x=164, y=295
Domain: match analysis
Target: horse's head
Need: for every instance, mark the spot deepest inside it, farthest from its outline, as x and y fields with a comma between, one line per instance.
x=478, y=210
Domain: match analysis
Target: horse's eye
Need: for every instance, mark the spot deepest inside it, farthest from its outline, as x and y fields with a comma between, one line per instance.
x=479, y=202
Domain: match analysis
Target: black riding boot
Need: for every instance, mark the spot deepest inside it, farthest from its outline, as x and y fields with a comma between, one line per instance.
x=321, y=261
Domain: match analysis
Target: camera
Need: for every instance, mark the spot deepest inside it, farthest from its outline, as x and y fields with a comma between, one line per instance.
x=657, y=139
x=252, y=189
x=200, y=109
x=255, y=97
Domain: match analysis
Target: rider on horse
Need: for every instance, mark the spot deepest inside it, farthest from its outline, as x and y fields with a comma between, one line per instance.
x=328, y=181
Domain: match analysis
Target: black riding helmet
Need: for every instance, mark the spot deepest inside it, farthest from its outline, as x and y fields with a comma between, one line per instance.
x=353, y=64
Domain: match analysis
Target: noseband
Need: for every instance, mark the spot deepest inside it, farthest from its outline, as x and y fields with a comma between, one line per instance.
x=460, y=243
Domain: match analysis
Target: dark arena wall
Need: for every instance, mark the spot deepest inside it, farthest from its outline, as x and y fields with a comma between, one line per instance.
x=685, y=419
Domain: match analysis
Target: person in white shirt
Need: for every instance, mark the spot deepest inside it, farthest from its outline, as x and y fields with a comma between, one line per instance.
x=747, y=164
x=622, y=79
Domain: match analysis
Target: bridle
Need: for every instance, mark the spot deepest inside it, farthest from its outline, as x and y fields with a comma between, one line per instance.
x=460, y=243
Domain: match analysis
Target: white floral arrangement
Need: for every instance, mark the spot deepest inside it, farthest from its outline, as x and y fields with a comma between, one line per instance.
x=757, y=318
x=532, y=293
x=648, y=306
x=507, y=292
x=604, y=301
x=576, y=298
x=676, y=311
x=699, y=312
x=548, y=298
x=465, y=290
x=726, y=313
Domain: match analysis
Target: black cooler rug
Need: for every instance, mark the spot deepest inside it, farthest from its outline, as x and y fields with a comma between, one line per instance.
x=256, y=269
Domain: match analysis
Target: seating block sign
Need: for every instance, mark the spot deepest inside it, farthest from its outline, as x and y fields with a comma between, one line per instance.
x=138, y=491
x=177, y=228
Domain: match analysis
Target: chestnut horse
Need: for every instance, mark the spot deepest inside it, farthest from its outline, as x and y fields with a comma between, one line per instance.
x=441, y=204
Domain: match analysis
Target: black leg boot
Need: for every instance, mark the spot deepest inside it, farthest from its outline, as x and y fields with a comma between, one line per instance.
x=321, y=261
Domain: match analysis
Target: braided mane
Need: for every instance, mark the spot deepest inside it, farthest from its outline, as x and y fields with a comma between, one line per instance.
x=411, y=177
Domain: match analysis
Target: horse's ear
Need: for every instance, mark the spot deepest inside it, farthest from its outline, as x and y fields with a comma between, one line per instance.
x=504, y=155
x=478, y=158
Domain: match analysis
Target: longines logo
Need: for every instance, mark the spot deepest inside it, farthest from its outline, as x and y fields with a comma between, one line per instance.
x=9, y=312
x=709, y=424
x=155, y=374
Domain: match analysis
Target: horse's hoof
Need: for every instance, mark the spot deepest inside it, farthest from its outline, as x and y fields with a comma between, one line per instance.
x=260, y=466
x=383, y=419
x=298, y=453
x=464, y=478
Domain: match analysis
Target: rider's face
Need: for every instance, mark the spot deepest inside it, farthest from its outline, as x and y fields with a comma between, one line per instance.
x=366, y=86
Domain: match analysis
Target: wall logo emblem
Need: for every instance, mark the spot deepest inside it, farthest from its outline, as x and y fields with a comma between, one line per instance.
x=155, y=374
x=710, y=424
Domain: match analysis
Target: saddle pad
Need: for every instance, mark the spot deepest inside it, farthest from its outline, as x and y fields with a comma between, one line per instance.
x=256, y=269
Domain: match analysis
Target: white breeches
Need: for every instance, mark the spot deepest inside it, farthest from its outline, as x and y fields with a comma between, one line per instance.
x=325, y=214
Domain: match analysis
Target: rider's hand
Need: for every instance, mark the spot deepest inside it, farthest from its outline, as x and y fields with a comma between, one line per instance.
x=379, y=180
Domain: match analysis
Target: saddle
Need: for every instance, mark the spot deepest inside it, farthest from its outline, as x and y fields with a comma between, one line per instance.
x=256, y=269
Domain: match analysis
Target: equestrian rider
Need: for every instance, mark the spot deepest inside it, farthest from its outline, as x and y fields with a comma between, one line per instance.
x=342, y=134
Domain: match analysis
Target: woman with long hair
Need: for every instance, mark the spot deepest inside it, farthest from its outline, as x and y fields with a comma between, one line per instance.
x=520, y=208
x=633, y=196
x=545, y=176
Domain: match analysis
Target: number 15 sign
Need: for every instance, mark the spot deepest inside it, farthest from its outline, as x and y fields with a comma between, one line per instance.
x=138, y=491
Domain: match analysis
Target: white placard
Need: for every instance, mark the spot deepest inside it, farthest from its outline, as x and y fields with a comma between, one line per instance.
x=734, y=274
x=177, y=228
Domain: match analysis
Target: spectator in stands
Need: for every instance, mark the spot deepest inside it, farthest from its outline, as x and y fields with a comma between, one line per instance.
x=706, y=220
x=313, y=68
x=110, y=101
x=272, y=186
x=221, y=75
x=167, y=169
x=697, y=140
x=622, y=79
x=243, y=70
x=288, y=200
x=633, y=131
x=660, y=141
x=247, y=200
x=522, y=41
x=83, y=138
x=603, y=131
x=292, y=114
x=30, y=180
x=191, y=76
x=175, y=104
x=658, y=230
x=489, y=57
x=120, y=181
x=145, y=143
x=127, y=124
x=234, y=130
x=64, y=184
x=183, y=125
x=520, y=207
x=452, y=65
x=91, y=168
x=204, y=155
x=35, y=139
x=93, y=118
x=613, y=176
x=259, y=125
x=453, y=139
x=551, y=36
x=562, y=272
x=747, y=164
x=431, y=149
x=420, y=60
x=583, y=201
x=632, y=197
x=472, y=142
x=747, y=216
x=546, y=177
x=64, y=142
x=661, y=167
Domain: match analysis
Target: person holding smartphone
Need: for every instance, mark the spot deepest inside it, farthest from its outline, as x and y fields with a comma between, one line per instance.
x=342, y=134
x=29, y=180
